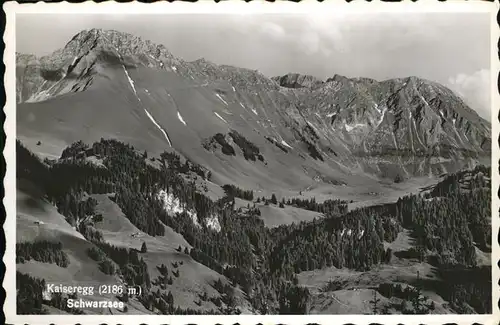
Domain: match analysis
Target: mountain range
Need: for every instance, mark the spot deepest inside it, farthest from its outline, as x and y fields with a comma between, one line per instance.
x=106, y=83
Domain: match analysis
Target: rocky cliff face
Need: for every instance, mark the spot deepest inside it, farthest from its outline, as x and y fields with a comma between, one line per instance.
x=411, y=126
x=87, y=54
x=295, y=80
x=409, y=117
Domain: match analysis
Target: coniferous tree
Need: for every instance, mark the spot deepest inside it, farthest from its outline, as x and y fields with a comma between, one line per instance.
x=375, y=303
x=418, y=300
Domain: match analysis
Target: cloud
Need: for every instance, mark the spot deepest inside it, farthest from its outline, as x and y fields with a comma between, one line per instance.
x=310, y=42
x=475, y=89
x=273, y=30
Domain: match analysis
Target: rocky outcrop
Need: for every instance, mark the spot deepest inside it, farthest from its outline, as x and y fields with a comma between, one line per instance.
x=295, y=80
x=29, y=77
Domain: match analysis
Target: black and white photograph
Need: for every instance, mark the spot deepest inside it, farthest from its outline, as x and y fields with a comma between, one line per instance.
x=253, y=163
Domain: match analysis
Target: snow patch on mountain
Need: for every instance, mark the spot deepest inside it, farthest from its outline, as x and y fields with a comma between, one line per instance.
x=349, y=128
x=38, y=93
x=130, y=81
x=172, y=205
x=411, y=137
x=222, y=99
x=384, y=110
x=416, y=131
x=158, y=126
x=46, y=93
x=179, y=116
x=286, y=144
x=213, y=223
x=253, y=109
x=216, y=114
x=423, y=99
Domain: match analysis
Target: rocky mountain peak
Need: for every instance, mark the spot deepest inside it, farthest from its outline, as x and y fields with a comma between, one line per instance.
x=73, y=67
x=296, y=80
x=118, y=43
x=337, y=78
x=102, y=46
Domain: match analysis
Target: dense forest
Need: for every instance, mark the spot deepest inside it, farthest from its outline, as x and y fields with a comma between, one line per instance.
x=250, y=151
x=453, y=218
x=29, y=294
x=41, y=251
x=234, y=191
x=30, y=298
x=328, y=207
x=446, y=223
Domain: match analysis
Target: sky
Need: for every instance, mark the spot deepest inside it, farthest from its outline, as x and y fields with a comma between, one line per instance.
x=450, y=48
